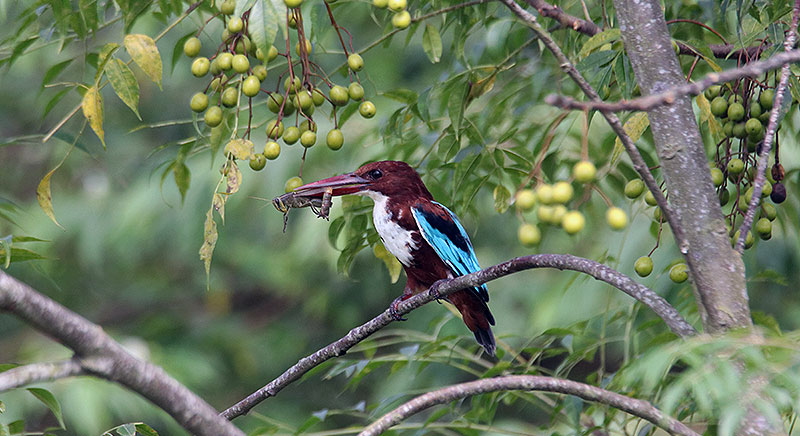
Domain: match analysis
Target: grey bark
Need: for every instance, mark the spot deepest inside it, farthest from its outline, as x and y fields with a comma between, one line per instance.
x=716, y=269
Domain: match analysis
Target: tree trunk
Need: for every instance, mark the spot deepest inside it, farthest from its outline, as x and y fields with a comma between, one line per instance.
x=717, y=270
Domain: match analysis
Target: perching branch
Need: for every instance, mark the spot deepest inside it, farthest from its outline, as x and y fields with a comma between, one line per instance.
x=695, y=88
x=636, y=158
x=39, y=372
x=99, y=355
x=566, y=20
x=442, y=288
x=772, y=128
x=636, y=407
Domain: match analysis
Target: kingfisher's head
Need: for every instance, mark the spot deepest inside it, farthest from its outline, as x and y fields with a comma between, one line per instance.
x=385, y=178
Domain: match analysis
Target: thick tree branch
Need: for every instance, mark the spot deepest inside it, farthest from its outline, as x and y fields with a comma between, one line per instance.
x=661, y=307
x=772, y=128
x=616, y=125
x=636, y=407
x=101, y=356
x=39, y=372
x=671, y=95
x=566, y=20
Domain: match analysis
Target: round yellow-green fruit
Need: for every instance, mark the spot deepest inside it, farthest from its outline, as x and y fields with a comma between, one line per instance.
x=562, y=192
x=292, y=184
x=199, y=102
x=355, y=62
x=192, y=47
x=335, y=139
x=258, y=162
x=308, y=139
x=544, y=193
x=529, y=235
x=679, y=273
x=401, y=20
x=397, y=5
x=291, y=135
x=213, y=116
x=367, y=109
x=643, y=266
x=584, y=171
x=200, y=67
x=272, y=150
x=616, y=218
x=573, y=222
x=525, y=200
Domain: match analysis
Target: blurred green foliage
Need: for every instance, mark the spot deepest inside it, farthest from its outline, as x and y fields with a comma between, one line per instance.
x=474, y=123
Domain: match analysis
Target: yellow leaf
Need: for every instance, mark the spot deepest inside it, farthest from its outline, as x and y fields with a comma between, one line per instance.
x=144, y=52
x=45, y=197
x=242, y=149
x=391, y=262
x=634, y=127
x=92, y=106
x=218, y=203
x=209, y=240
x=234, y=178
x=598, y=40
x=706, y=116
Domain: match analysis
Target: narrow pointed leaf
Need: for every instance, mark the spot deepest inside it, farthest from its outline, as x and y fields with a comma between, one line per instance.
x=92, y=106
x=432, y=43
x=50, y=401
x=124, y=83
x=54, y=71
x=45, y=197
x=263, y=25
x=183, y=178
x=103, y=58
x=634, y=127
x=145, y=430
x=209, y=240
x=144, y=52
x=242, y=6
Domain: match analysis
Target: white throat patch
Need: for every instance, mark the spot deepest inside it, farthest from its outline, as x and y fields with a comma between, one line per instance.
x=395, y=238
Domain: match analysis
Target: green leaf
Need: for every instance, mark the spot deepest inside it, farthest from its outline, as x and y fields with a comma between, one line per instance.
x=17, y=427
x=126, y=430
x=183, y=178
x=335, y=229
x=124, y=83
x=242, y=6
x=92, y=105
x=263, y=24
x=502, y=198
x=144, y=52
x=54, y=71
x=402, y=95
x=105, y=55
x=432, y=43
x=145, y=430
x=54, y=100
x=455, y=106
x=50, y=401
x=598, y=40
x=391, y=262
x=177, y=51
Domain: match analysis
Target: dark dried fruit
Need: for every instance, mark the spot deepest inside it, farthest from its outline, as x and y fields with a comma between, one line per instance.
x=778, y=193
x=778, y=173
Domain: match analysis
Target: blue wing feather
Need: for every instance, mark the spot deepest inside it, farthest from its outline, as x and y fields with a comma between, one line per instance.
x=449, y=240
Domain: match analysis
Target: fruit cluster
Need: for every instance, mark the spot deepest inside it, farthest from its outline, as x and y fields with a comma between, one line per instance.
x=549, y=202
x=238, y=76
x=401, y=18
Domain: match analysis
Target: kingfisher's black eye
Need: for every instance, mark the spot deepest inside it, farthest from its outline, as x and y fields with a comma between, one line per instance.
x=375, y=174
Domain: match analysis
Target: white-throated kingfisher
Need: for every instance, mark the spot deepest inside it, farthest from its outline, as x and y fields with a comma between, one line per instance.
x=423, y=235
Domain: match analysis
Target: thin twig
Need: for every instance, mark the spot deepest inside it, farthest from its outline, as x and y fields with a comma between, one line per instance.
x=772, y=128
x=636, y=407
x=671, y=95
x=39, y=372
x=442, y=288
x=636, y=158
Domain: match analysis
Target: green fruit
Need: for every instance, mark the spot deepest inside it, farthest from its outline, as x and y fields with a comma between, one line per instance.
x=650, y=199
x=293, y=3
x=251, y=86
x=573, y=222
x=562, y=192
x=199, y=102
x=339, y=95
x=717, y=177
x=235, y=25
x=657, y=214
x=230, y=96
x=380, y=3
x=291, y=135
x=292, y=184
x=228, y=7
x=634, y=188
x=712, y=92
x=766, y=98
x=260, y=54
x=308, y=125
x=727, y=129
x=303, y=100
x=240, y=63
x=288, y=108
x=355, y=91
x=292, y=85
x=216, y=85
x=749, y=239
x=274, y=129
x=401, y=20
x=243, y=46
x=355, y=62
x=529, y=235
x=308, y=139
x=213, y=116
x=273, y=53
x=274, y=101
x=258, y=162
x=225, y=61
x=735, y=111
x=200, y=67
x=226, y=36
x=766, y=190
x=584, y=171
x=310, y=110
x=525, y=199
x=724, y=197
x=260, y=71
x=544, y=193
x=317, y=97
x=643, y=266
x=753, y=126
x=297, y=47
x=764, y=118
x=719, y=106
x=545, y=213
x=739, y=131
x=755, y=109
x=735, y=166
x=272, y=150
x=559, y=212
x=735, y=98
x=367, y=109
x=397, y=5
x=335, y=139
x=679, y=273
x=616, y=218
x=764, y=226
x=192, y=47
x=215, y=69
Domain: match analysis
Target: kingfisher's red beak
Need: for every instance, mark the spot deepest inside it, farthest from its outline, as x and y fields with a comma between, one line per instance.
x=341, y=185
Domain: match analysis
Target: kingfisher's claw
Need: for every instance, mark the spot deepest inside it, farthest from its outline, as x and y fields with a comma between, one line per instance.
x=393, y=310
x=433, y=291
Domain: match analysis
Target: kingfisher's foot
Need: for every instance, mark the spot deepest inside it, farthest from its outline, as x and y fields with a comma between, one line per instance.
x=433, y=291
x=393, y=309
